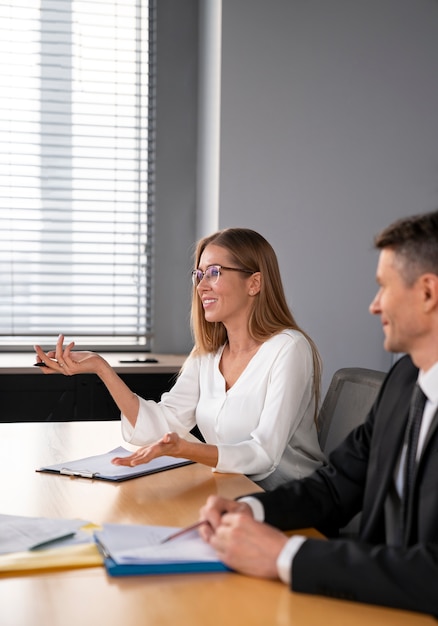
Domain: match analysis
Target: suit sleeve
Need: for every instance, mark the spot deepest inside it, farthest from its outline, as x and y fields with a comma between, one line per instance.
x=404, y=578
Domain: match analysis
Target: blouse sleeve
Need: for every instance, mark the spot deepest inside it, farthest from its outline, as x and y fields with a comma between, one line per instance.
x=287, y=404
x=175, y=412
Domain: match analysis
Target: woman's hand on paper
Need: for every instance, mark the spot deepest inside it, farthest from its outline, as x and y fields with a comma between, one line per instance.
x=169, y=445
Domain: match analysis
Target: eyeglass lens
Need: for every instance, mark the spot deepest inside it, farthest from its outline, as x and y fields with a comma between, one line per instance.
x=211, y=274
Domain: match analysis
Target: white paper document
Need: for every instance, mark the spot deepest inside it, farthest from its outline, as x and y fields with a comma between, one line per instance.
x=138, y=544
x=19, y=533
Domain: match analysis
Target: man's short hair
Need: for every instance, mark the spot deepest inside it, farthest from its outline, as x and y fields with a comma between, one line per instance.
x=415, y=242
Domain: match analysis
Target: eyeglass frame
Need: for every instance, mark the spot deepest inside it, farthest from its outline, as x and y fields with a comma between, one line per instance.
x=196, y=273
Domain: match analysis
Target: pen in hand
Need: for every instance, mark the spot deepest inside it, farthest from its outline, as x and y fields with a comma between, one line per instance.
x=183, y=531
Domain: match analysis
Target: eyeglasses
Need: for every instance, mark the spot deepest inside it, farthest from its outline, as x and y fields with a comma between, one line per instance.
x=213, y=272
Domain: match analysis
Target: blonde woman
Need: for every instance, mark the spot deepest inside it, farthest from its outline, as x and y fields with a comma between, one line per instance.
x=251, y=383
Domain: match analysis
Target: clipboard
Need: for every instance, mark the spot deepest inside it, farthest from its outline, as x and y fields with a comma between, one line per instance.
x=99, y=467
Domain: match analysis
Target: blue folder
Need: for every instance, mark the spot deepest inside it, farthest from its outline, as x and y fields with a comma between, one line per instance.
x=130, y=569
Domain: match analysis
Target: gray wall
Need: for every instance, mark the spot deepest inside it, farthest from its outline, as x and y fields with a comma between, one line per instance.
x=176, y=171
x=328, y=133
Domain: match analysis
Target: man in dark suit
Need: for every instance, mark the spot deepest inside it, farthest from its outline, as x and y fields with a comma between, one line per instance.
x=377, y=470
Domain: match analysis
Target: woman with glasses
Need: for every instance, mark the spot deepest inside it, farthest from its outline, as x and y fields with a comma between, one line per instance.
x=251, y=383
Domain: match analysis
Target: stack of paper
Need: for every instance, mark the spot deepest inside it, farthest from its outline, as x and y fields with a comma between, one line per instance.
x=136, y=549
x=31, y=533
x=36, y=543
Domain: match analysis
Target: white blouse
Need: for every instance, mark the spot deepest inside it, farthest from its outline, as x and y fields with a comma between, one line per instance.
x=262, y=426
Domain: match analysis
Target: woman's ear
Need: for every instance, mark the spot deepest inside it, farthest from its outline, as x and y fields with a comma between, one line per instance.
x=255, y=284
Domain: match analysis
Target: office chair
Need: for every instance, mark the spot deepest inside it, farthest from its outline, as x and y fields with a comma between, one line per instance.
x=349, y=397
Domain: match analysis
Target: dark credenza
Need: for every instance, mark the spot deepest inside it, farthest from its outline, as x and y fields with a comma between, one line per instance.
x=27, y=395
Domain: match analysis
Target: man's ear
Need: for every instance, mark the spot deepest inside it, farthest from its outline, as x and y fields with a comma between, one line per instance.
x=255, y=284
x=429, y=287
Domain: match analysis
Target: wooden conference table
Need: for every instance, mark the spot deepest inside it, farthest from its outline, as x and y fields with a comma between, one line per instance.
x=87, y=596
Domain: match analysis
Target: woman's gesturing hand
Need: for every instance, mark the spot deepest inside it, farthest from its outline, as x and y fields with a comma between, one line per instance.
x=169, y=445
x=63, y=360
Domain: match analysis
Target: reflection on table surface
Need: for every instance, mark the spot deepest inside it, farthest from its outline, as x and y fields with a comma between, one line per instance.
x=88, y=596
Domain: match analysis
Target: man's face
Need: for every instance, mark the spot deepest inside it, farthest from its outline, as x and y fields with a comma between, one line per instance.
x=398, y=304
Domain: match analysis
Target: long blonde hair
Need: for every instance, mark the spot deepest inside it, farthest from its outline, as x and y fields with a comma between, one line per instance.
x=270, y=313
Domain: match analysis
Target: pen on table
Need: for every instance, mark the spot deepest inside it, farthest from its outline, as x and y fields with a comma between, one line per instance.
x=49, y=542
x=185, y=530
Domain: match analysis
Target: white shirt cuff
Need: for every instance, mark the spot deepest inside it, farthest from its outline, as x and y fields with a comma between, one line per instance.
x=286, y=557
x=258, y=510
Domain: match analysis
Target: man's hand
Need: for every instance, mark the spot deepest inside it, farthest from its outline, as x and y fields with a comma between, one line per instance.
x=169, y=445
x=247, y=546
x=215, y=508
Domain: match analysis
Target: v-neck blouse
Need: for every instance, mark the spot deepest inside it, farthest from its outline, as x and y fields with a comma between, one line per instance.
x=262, y=426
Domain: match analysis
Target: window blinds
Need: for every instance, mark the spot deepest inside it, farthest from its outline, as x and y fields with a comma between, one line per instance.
x=76, y=171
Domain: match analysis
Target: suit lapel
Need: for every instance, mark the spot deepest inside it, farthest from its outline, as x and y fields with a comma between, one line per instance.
x=389, y=431
x=409, y=520
x=393, y=436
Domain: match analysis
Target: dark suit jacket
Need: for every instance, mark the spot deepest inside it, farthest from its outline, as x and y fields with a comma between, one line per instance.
x=357, y=478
